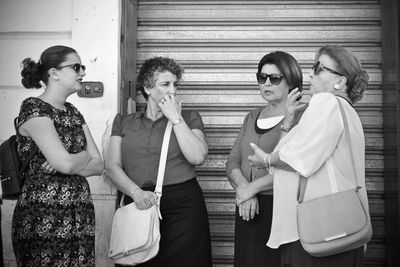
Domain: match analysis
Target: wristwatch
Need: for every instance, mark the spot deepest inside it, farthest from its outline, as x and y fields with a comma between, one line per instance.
x=175, y=122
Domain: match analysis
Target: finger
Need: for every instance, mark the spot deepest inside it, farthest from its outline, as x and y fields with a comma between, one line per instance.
x=240, y=210
x=298, y=96
x=253, y=146
x=301, y=106
x=153, y=200
x=252, y=211
x=292, y=92
x=44, y=164
x=246, y=212
x=252, y=159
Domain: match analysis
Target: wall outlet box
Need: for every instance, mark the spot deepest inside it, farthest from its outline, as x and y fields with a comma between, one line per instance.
x=91, y=89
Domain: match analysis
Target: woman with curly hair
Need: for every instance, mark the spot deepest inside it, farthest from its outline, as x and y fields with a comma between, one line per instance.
x=317, y=149
x=132, y=165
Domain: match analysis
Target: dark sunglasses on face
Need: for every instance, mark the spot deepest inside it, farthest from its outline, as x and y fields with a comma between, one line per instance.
x=77, y=67
x=275, y=79
x=318, y=67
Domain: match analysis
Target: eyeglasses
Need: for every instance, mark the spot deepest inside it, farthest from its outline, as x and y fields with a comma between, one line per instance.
x=318, y=67
x=275, y=79
x=77, y=67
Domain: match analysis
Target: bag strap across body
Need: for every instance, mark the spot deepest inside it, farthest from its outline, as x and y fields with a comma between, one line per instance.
x=161, y=167
x=304, y=180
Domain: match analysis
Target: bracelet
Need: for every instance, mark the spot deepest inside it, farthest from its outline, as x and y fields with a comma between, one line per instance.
x=134, y=190
x=270, y=169
x=175, y=122
x=284, y=129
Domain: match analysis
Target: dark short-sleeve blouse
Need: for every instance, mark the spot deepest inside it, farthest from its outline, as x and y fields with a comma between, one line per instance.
x=141, y=148
x=266, y=140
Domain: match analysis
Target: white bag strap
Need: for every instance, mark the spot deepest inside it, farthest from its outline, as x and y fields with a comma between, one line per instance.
x=304, y=180
x=161, y=165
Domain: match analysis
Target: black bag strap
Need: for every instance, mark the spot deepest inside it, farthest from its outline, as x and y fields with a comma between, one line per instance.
x=33, y=152
x=304, y=180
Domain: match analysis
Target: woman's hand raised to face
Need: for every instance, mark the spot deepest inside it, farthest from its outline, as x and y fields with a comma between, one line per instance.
x=293, y=106
x=171, y=107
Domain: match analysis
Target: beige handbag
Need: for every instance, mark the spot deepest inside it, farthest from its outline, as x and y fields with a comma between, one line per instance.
x=334, y=223
x=135, y=234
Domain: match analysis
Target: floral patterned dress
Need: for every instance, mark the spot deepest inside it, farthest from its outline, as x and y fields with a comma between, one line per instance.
x=54, y=220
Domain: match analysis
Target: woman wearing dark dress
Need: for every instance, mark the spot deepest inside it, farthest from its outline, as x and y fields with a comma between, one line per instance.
x=278, y=74
x=133, y=158
x=54, y=222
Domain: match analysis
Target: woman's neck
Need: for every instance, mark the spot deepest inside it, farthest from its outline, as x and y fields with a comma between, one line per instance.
x=153, y=112
x=56, y=100
x=273, y=109
x=342, y=94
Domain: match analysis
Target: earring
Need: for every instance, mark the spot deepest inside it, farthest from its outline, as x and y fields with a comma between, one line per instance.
x=336, y=86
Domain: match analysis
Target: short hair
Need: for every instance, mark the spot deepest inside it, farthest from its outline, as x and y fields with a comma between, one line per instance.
x=288, y=65
x=32, y=73
x=349, y=66
x=148, y=72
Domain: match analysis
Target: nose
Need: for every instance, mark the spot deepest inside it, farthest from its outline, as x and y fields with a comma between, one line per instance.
x=268, y=82
x=172, y=89
x=82, y=72
x=311, y=74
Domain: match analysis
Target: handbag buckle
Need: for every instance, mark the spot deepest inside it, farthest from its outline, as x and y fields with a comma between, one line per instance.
x=125, y=252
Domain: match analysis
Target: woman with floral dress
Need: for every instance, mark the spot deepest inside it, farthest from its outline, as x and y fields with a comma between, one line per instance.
x=54, y=220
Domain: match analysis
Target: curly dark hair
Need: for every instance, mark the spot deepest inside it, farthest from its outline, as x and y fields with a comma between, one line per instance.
x=288, y=65
x=348, y=65
x=151, y=67
x=32, y=73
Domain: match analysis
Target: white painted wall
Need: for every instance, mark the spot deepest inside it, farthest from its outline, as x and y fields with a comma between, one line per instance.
x=93, y=29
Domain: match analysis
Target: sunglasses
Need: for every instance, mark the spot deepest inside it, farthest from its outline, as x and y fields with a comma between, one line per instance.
x=77, y=67
x=275, y=79
x=318, y=67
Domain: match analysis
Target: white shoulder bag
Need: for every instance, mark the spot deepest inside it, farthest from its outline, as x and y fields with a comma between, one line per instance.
x=135, y=234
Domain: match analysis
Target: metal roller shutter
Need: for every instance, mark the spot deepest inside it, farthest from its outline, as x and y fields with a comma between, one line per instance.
x=220, y=42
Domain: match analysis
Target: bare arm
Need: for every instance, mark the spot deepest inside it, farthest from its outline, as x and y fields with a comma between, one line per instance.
x=95, y=164
x=260, y=158
x=236, y=178
x=42, y=130
x=246, y=191
x=114, y=171
x=191, y=142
